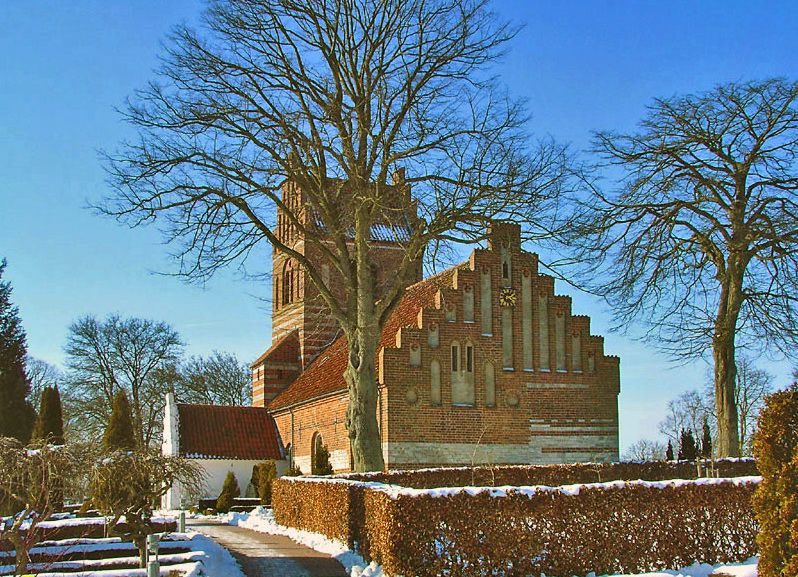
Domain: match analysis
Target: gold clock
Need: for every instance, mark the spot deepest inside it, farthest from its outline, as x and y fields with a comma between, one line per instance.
x=507, y=297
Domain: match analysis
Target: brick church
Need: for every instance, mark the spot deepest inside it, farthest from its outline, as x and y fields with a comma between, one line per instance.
x=482, y=363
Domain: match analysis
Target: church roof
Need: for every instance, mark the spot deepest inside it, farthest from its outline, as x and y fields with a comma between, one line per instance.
x=324, y=376
x=284, y=349
x=225, y=432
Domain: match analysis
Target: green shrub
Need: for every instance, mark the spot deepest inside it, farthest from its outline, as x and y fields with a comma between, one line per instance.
x=776, y=500
x=293, y=471
x=320, y=464
x=229, y=492
x=120, y=435
x=267, y=473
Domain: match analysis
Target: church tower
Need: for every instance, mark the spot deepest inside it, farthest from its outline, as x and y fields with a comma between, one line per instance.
x=302, y=324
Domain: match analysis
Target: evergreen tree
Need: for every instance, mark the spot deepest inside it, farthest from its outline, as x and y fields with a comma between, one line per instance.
x=706, y=442
x=229, y=492
x=321, y=461
x=775, y=501
x=50, y=423
x=669, y=451
x=119, y=435
x=17, y=415
x=267, y=473
x=687, y=447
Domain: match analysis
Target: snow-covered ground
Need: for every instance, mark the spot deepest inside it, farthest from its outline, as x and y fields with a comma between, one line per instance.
x=205, y=558
x=263, y=520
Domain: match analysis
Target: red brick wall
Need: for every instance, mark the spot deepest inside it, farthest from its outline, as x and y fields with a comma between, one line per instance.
x=560, y=413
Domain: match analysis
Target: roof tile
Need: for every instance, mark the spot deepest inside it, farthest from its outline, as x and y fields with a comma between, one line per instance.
x=225, y=432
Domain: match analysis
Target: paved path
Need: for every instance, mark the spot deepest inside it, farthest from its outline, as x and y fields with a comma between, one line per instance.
x=266, y=555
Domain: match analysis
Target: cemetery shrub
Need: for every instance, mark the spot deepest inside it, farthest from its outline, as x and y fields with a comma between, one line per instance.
x=230, y=491
x=776, y=499
x=267, y=473
x=321, y=461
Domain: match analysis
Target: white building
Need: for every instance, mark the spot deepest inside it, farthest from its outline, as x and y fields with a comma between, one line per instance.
x=220, y=439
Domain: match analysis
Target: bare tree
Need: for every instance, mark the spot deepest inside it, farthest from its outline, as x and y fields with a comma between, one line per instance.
x=41, y=374
x=687, y=412
x=35, y=478
x=701, y=239
x=331, y=98
x=128, y=483
x=751, y=387
x=219, y=379
x=645, y=450
x=106, y=356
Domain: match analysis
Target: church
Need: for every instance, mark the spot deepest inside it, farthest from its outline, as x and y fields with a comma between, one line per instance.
x=482, y=363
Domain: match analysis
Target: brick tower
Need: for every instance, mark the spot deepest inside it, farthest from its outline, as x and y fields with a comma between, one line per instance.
x=302, y=325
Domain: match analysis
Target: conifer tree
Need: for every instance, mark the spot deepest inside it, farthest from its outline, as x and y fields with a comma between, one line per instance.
x=17, y=415
x=119, y=435
x=776, y=499
x=50, y=423
x=687, y=447
x=230, y=491
x=669, y=451
x=706, y=441
x=321, y=461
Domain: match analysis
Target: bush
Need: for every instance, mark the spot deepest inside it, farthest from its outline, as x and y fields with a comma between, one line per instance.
x=267, y=473
x=293, y=471
x=321, y=461
x=229, y=492
x=776, y=499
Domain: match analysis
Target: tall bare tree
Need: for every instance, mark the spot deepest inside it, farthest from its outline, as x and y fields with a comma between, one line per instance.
x=701, y=239
x=332, y=97
x=116, y=354
x=218, y=379
x=751, y=387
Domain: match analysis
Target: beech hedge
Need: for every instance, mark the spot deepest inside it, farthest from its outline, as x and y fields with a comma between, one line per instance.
x=555, y=475
x=614, y=527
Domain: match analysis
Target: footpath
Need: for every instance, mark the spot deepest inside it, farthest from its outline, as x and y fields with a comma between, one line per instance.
x=266, y=555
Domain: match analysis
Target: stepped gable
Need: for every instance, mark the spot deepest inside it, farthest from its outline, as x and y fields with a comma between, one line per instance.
x=225, y=432
x=324, y=376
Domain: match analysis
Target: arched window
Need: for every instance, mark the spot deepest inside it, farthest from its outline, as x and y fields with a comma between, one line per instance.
x=455, y=357
x=288, y=283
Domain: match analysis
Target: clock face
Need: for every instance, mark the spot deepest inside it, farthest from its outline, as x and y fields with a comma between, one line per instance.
x=507, y=297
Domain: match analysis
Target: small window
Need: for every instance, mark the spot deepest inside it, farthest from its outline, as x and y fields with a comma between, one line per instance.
x=288, y=283
x=469, y=358
x=505, y=270
x=455, y=357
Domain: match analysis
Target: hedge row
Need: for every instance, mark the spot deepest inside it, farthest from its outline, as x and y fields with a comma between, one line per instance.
x=606, y=528
x=93, y=528
x=556, y=475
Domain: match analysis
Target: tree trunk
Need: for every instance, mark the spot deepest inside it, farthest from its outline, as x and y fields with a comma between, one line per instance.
x=361, y=415
x=723, y=353
x=21, y=555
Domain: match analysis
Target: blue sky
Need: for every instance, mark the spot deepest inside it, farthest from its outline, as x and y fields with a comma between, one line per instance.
x=65, y=66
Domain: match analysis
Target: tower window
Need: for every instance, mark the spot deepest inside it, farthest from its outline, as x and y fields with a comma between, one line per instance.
x=469, y=358
x=455, y=357
x=288, y=283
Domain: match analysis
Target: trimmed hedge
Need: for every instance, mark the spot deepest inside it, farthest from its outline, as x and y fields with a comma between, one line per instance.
x=556, y=475
x=606, y=528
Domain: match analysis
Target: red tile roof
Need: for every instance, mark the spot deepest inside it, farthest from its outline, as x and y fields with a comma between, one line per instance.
x=285, y=349
x=224, y=432
x=324, y=375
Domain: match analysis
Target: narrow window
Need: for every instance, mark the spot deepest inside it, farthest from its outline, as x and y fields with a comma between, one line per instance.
x=455, y=358
x=505, y=271
x=469, y=358
x=288, y=283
